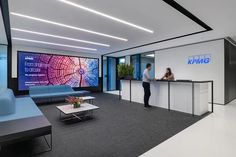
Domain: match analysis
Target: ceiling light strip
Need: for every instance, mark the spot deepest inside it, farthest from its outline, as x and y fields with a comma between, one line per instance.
x=150, y=55
x=49, y=43
x=67, y=26
x=60, y=37
x=106, y=15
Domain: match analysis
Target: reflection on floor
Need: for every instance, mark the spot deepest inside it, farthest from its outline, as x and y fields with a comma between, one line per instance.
x=213, y=136
x=115, y=92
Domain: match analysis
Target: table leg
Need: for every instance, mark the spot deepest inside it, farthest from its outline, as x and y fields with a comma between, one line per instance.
x=76, y=116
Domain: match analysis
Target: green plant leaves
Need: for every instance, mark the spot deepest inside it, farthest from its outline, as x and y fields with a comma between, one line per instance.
x=125, y=70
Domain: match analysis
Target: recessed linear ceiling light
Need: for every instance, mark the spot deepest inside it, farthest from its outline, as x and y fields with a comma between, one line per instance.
x=150, y=55
x=49, y=43
x=60, y=37
x=106, y=15
x=67, y=26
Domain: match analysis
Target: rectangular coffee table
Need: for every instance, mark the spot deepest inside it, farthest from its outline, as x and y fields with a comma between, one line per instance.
x=89, y=99
x=84, y=110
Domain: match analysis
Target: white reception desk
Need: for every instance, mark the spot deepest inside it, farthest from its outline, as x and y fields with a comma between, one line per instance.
x=184, y=96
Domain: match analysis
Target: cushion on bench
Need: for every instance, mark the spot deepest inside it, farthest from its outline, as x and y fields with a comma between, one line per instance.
x=7, y=102
x=38, y=90
x=53, y=91
x=25, y=108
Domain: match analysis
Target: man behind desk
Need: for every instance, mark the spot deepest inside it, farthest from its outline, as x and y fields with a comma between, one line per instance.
x=146, y=84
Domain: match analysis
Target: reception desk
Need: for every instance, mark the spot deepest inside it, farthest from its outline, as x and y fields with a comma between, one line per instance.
x=185, y=96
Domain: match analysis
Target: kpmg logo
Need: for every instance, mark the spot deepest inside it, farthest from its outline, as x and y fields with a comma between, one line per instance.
x=199, y=59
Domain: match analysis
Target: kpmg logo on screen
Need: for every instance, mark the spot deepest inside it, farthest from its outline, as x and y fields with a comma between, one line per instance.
x=199, y=59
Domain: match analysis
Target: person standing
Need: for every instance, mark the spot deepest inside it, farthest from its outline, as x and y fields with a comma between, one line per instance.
x=146, y=84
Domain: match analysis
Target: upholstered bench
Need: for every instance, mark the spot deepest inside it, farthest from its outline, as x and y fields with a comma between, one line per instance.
x=21, y=119
x=7, y=102
x=53, y=92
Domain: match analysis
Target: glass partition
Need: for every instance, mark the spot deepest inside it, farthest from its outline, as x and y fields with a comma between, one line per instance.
x=3, y=66
x=111, y=73
x=104, y=66
x=122, y=60
x=148, y=57
x=135, y=61
x=139, y=62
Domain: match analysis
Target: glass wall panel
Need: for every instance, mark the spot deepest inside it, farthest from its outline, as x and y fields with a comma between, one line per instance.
x=135, y=61
x=122, y=60
x=111, y=73
x=139, y=62
x=104, y=66
x=148, y=57
x=3, y=66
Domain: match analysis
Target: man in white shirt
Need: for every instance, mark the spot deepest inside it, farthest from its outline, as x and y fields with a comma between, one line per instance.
x=146, y=84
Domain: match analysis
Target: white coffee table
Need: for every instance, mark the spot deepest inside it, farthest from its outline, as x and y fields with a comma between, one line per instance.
x=84, y=110
x=89, y=99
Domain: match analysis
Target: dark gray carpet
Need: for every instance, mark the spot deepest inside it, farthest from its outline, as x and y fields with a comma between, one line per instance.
x=118, y=129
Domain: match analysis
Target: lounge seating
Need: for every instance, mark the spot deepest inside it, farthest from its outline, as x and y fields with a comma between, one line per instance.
x=24, y=108
x=26, y=122
x=7, y=102
x=46, y=93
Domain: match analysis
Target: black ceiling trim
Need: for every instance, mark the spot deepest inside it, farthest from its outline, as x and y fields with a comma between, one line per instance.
x=231, y=40
x=6, y=19
x=185, y=12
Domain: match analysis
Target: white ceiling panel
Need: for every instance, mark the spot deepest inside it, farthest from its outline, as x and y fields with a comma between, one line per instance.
x=218, y=14
x=165, y=21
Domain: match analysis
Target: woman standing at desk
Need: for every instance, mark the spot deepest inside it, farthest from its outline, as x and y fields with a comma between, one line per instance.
x=168, y=75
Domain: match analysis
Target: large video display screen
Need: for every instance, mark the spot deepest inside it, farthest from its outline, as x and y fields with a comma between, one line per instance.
x=35, y=69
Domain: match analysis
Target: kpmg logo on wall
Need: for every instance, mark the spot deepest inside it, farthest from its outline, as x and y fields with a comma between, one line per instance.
x=199, y=59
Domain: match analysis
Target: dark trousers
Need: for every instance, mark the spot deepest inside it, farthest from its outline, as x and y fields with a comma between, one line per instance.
x=147, y=93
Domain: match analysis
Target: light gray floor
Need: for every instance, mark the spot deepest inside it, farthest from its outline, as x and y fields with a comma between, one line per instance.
x=213, y=136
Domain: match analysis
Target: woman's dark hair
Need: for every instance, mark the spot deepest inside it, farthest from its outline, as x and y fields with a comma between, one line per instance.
x=169, y=71
x=148, y=65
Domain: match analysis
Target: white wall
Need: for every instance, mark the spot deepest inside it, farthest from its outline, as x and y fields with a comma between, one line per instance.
x=16, y=48
x=177, y=58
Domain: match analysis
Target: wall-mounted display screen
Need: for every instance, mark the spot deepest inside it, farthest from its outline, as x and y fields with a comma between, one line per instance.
x=35, y=69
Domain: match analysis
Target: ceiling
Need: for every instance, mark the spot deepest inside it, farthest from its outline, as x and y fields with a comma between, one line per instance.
x=218, y=14
x=156, y=15
x=3, y=38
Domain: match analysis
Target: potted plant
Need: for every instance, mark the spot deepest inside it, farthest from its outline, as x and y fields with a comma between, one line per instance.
x=121, y=71
x=130, y=72
x=75, y=101
x=125, y=71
